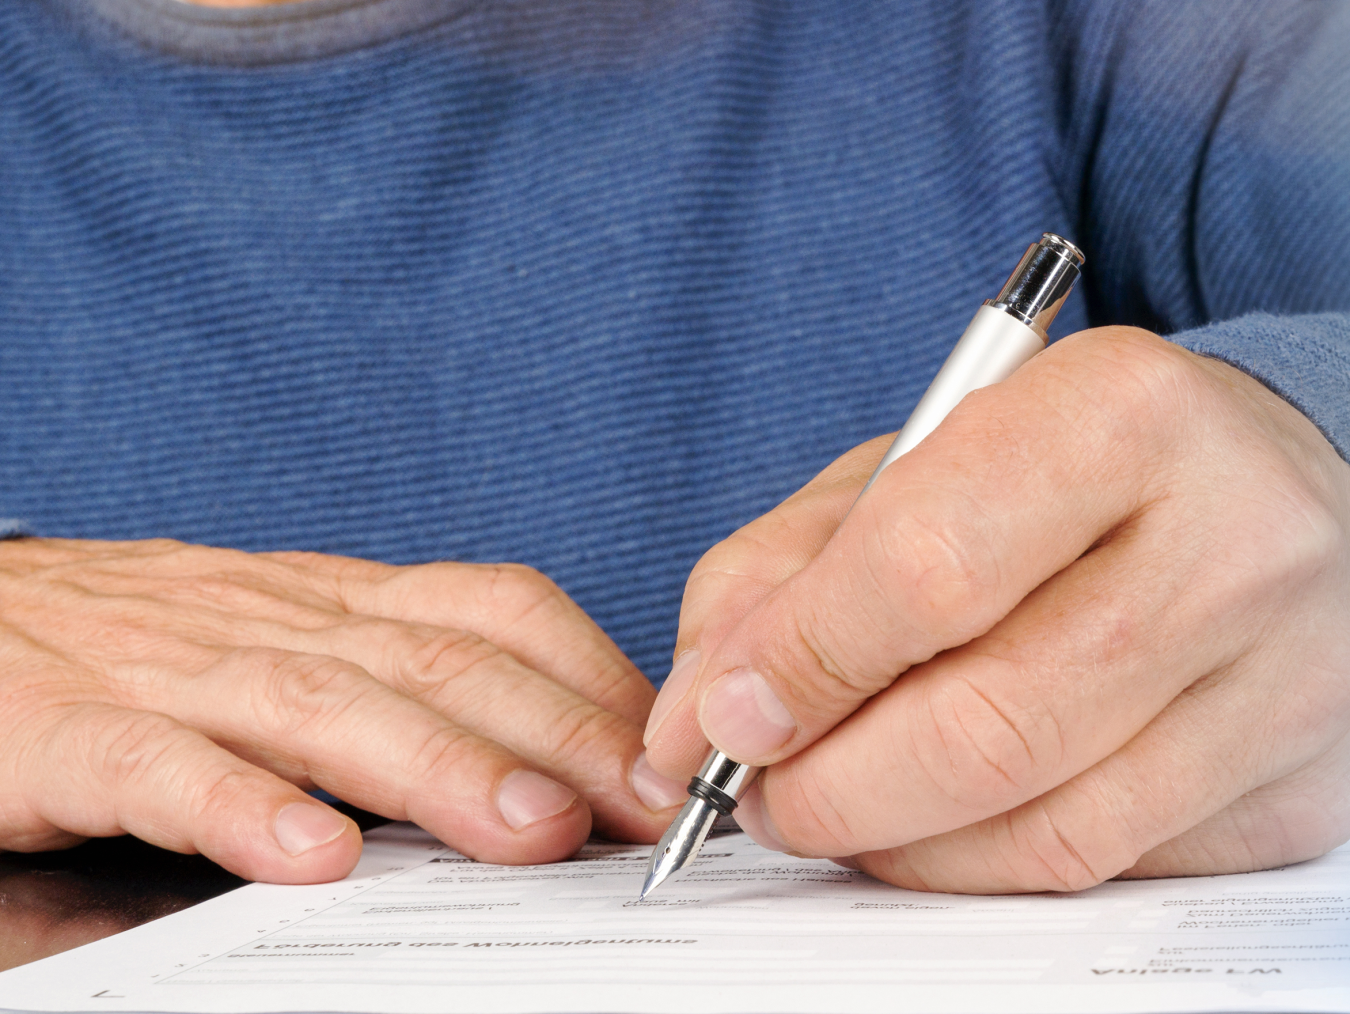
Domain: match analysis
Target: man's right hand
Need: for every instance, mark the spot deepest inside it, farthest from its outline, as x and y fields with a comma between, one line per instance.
x=189, y=696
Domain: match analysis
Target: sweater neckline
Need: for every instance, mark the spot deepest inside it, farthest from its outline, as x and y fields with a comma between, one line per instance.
x=275, y=34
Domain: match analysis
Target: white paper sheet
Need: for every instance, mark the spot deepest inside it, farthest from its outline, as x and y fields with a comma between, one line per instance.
x=418, y=929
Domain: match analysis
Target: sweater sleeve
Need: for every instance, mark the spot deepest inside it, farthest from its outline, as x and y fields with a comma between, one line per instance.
x=1206, y=158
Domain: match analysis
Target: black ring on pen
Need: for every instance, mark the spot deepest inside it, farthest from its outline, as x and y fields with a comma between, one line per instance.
x=714, y=796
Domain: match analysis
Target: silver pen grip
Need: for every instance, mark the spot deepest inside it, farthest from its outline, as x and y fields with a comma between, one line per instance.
x=721, y=782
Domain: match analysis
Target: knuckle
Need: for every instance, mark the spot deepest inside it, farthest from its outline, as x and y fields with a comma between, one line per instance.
x=1308, y=541
x=1160, y=367
x=187, y=558
x=330, y=567
x=1125, y=385
x=1045, y=857
x=744, y=552
x=127, y=632
x=925, y=583
x=429, y=662
x=161, y=547
x=221, y=792
x=294, y=691
x=1300, y=818
x=1277, y=546
x=34, y=687
x=721, y=557
x=834, y=679
x=807, y=810
x=516, y=590
x=129, y=747
x=448, y=755
x=983, y=752
x=738, y=572
x=944, y=574
x=584, y=733
x=522, y=579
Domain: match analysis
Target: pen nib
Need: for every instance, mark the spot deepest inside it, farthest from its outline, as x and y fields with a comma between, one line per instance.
x=680, y=844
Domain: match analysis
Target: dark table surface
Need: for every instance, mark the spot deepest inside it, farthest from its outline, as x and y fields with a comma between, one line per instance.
x=53, y=901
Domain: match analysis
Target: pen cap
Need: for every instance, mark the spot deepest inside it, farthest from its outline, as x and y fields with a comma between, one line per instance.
x=1040, y=283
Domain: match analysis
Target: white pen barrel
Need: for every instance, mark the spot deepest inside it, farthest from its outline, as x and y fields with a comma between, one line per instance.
x=993, y=346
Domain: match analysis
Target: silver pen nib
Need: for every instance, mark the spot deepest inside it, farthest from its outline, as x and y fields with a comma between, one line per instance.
x=715, y=789
x=680, y=843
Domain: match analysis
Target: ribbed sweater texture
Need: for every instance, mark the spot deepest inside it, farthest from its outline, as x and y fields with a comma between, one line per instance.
x=588, y=285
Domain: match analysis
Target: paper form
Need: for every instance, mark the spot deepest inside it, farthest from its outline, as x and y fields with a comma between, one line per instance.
x=419, y=929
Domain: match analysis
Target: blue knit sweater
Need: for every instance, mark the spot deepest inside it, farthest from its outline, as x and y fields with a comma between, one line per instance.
x=587, y=285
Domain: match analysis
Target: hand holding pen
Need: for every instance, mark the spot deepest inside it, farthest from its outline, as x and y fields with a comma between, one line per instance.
x=1005, y=333
x=1069, y=636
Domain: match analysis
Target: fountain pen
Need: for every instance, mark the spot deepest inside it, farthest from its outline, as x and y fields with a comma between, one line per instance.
x=1006, y=331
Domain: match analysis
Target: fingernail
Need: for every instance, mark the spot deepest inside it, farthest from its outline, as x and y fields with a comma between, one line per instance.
x=526, y=797
x=677, y=684
x=754, y=820
x=743, y=717
x=303, y=826
x=656, y=791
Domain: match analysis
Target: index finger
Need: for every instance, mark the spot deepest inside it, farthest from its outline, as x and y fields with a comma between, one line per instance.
x=737, y=574
x=1019, y=481
x=740, y=571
